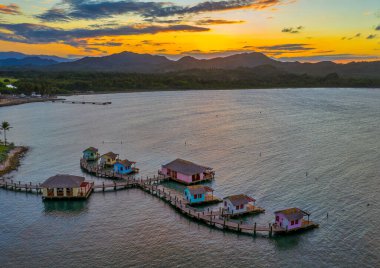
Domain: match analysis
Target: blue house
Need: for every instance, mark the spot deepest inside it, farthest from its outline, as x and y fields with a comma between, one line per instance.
x=91, y=154
x=124, y=167
x=198, y=194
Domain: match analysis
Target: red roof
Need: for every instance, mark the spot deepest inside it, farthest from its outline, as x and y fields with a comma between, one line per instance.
x=84, y=184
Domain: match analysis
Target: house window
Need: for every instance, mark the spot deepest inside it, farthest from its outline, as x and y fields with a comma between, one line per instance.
x=277, y=218
x=225, y=203
x=292, y=223
x=241, y=206
x=69, y=192
x=237, y=207
x=195, y=196
x=59, y=191
x=296, y=221
x=199, y=196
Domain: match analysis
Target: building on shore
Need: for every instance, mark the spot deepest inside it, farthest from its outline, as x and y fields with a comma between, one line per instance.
x=197, y=194
x=124, y=167
x=187, y=172
x=239, y=204
x=63, y=186
x=108, y=159
x=291, y=218
x=91, y=154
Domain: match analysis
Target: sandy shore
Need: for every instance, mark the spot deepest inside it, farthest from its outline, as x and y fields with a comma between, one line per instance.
x=13, y=160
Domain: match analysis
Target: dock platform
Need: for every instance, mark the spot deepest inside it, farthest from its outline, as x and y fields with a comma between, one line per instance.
x=83, y=102
x=97, y=171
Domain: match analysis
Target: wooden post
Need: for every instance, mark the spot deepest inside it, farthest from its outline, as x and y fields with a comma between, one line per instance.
x=114, y=187
x=271, y=230
x=254, y=229
x=103, y=186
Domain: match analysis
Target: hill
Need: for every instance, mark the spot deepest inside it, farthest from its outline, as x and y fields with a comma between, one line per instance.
x=128, y=62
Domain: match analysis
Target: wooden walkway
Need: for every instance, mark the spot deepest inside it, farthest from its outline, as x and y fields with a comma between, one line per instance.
x=83, y=102
x=9, y=184
x=213, y=218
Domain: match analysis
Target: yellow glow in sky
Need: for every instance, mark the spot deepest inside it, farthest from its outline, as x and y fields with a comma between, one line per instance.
x=304, y=30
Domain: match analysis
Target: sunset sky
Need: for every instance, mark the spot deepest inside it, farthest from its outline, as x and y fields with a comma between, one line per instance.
x=304, y=30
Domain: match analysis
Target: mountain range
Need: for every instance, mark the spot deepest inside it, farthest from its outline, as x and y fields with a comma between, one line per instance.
x=128, y=62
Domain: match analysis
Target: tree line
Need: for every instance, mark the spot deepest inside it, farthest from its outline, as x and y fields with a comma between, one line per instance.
x=260, y=77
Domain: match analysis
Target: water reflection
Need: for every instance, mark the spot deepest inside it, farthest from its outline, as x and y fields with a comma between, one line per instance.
x=286, y=242
x=68, y=207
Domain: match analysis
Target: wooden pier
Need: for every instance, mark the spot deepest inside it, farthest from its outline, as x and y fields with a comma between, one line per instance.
x=214, y=218
x=8, y=184
x=83, y=102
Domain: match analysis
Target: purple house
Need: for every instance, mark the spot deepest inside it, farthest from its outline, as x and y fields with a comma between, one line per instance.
x=291, y=218
x=187, y=172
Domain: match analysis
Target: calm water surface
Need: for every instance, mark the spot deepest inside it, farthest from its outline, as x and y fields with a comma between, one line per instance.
x=333, y=134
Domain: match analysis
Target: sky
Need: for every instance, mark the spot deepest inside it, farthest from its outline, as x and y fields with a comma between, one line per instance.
x=288, y=30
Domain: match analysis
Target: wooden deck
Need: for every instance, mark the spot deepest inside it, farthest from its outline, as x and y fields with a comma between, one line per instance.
x=97, y=171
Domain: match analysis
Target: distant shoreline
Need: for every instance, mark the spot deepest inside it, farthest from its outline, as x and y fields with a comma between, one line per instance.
x=203, y=89
x=10, y=101
x=4, y=102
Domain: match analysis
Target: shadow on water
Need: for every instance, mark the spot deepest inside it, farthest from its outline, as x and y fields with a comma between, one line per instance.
x=286, y=242
x=67, y=207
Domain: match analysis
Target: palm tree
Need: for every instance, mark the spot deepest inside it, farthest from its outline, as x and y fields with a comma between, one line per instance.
x=5, y=127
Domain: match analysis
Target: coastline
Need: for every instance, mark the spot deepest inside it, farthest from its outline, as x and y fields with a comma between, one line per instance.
x=9, y=101
x=12, y=162
x=196, y=89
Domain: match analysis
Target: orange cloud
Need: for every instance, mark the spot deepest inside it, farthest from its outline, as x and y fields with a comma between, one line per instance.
x=11, y=9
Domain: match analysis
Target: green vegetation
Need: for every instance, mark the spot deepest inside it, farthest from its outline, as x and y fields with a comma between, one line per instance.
x=259, y=77
x=5, y=126
x=4, y=150
x=7, y=81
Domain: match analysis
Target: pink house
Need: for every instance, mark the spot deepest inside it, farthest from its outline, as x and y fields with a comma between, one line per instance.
x=187, y=172
x=291, y=218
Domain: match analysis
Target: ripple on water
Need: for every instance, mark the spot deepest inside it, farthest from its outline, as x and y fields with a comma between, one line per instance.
x=260, y=142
